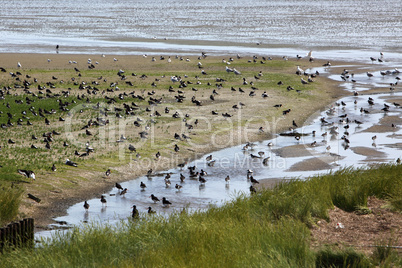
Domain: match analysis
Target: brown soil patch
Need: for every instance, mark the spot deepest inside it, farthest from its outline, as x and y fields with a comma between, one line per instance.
x=386, y=125
x=369, y=152
x=315, y=163
x=360, y=231
x=292, y=151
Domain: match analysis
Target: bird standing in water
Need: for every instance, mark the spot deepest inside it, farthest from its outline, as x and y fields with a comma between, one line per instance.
x=86, y=205
x=165, y=202
x=103, y=200
x=154, y=198
x=143, y=186
x=124, y=191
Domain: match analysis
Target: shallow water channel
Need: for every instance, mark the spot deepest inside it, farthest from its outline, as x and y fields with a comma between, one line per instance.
x=288, y=158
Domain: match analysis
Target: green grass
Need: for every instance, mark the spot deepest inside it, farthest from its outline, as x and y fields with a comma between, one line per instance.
x=10, y=198
x=268, y=229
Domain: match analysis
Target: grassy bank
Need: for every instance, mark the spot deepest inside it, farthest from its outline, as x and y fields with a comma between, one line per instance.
x=268, y=229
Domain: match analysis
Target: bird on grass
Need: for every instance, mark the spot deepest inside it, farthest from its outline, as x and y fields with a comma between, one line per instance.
x=135, y=214
x=252, y=190
x=151, y=211
x=27, y=173
x=182, y=165
x=71, y=163
x=107, y=173
x=54, y=167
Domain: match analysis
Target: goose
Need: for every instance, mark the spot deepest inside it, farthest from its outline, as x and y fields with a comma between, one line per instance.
x=107, y=173
x=54, y=167
x=27, y=173
x=124, y=191
x=227, y=179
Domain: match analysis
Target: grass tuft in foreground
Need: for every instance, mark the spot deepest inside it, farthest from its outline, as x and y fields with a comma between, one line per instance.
x=10, y=198
x=267, y=229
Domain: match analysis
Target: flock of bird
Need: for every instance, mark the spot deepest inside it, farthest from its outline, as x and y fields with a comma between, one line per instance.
x=48, y=90
x=192, y=174
x=130, y=108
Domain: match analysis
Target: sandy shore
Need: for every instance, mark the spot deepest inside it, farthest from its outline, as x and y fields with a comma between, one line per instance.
x=93, y=183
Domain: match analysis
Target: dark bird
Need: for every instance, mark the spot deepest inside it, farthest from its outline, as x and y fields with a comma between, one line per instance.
x=70, y=163
x=27, y=173
x=143, y=186
x=166, y=202
x=54, y=167
x=135, y=214
x=182, y=165
x=176, y=148
x=151, y=211
x=154, y=198
x=253, y=181
x=178, y=187
x=107, y=173
x=103, y=200
x=227, y=179
x=86, y=205
x=118, y=186
x=294, y=124
x=209, y=158
x=202, y=180
x=124, y=191
x=131, y=148
x=252, y=190
x=182, y=177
